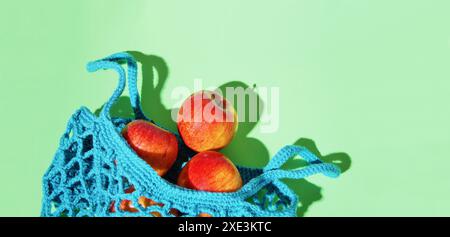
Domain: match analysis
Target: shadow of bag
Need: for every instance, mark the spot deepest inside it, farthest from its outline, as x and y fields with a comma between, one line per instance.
x=94, y=167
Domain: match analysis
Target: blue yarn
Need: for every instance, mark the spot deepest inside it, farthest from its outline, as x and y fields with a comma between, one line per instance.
x=94, y=165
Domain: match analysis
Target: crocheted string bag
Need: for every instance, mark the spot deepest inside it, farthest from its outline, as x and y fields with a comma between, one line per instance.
x=94, y=167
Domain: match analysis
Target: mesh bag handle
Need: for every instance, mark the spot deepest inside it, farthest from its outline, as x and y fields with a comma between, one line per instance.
x=315, y=164
x=273, y=172
x=114, y=62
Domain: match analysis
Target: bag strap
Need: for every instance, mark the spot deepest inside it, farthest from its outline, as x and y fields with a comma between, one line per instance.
x=289, y=151
x=132, y=79
x=105, y=64
x=273, y=171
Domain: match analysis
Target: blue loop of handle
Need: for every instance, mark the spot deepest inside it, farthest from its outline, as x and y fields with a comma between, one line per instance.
x=101, y=64
x=315, y=164
x=132, y=80
x=270, y=175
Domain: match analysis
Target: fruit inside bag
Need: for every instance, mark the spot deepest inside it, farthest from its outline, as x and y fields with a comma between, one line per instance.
x=96, y=172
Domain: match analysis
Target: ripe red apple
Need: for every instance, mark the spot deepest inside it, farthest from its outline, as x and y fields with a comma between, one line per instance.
x=207, y=121
x=210, y=171
x=158, y=147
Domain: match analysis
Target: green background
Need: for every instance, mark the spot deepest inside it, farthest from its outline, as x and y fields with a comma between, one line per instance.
x=365, y=83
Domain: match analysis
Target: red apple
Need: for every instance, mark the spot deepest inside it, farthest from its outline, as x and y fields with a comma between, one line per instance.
x=207, y=121
x=158, y=147
x=210, y=171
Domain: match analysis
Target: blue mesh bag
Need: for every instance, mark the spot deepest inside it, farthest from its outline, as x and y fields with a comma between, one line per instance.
x=94, y=167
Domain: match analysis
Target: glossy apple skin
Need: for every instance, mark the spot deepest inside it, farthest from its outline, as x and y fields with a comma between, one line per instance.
x=207, y=121
x=210, y=171
x=158, y=147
